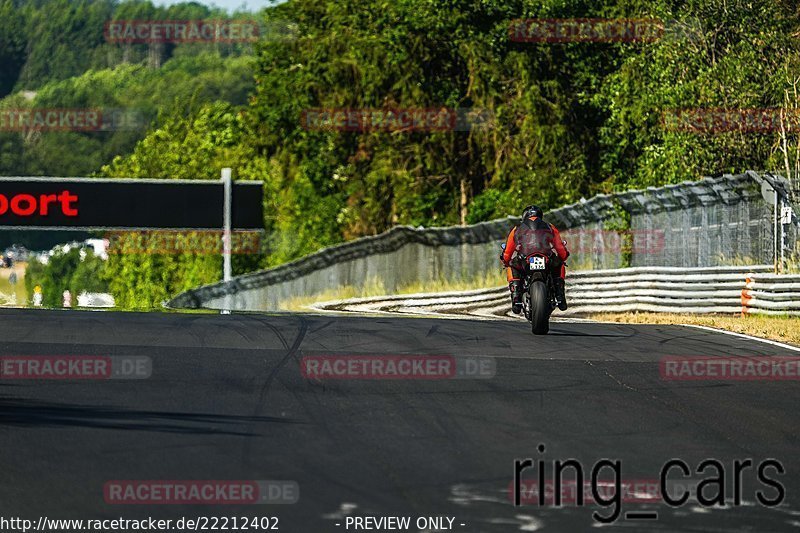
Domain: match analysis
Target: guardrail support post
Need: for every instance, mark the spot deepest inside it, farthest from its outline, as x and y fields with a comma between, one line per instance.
x=776, y=208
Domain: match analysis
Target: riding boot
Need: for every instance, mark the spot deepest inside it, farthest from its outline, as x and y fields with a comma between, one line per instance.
x=516, y=297
x=561, y=297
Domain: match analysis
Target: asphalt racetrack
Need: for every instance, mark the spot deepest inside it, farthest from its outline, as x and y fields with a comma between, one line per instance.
x=227, y=400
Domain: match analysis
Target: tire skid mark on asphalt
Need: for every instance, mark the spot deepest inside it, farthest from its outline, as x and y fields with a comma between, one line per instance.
x=325, y=475
x=457, y=438
x=319, y=394
x=322, y=326
x=437, y=421
x=240, y=328
x=687, y=414
x=265, y=387
x=341, y=435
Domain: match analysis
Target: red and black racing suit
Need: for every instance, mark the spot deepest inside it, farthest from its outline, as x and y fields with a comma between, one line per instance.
x=515, y=267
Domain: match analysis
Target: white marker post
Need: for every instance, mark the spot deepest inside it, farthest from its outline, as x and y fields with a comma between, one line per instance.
x=226, y=232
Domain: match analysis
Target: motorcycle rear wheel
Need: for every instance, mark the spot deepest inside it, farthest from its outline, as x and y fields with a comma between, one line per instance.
x=540, y=308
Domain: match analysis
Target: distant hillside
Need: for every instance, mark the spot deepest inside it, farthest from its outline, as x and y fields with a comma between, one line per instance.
x=47, y=40
x=55, y=54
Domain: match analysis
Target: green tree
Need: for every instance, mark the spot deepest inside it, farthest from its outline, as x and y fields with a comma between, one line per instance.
x=13, y=41
x=714, y=55
x=196, y=147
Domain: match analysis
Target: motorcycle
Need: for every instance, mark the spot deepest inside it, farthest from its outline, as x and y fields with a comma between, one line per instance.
x=538, y=291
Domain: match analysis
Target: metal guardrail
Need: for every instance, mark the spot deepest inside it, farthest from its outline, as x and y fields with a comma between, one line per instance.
x=771, y=294
x=661, y=289
x=728, y=290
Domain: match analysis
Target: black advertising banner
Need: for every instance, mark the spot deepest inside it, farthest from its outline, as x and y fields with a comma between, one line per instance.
x=86, y=203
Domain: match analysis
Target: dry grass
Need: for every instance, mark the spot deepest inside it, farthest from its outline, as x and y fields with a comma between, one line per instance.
x=374, y=287
x=783, y=329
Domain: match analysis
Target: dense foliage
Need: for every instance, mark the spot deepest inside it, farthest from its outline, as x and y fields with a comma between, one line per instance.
x=570, y=119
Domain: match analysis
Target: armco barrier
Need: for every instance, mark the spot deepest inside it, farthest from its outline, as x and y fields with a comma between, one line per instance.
x=771, y=294
x=660, y=289
x=646, y=289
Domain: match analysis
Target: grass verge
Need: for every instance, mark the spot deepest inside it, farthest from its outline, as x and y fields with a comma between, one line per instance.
x=784, y=329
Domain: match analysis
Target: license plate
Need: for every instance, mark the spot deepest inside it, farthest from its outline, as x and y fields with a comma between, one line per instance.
x=537, y=263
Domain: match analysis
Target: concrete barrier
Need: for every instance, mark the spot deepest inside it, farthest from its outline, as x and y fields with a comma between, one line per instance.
x=698, y=220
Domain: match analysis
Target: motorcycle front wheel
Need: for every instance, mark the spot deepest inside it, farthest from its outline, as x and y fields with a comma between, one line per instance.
x=540, y=308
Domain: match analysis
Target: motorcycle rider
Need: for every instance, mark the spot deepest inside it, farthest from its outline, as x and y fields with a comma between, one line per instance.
x=546, y=236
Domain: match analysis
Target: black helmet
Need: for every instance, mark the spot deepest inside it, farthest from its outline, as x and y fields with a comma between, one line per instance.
x=531, y=211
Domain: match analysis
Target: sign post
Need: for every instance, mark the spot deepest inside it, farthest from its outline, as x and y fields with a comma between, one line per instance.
x=227, y=273
x=773, y=198
x=226, y=229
